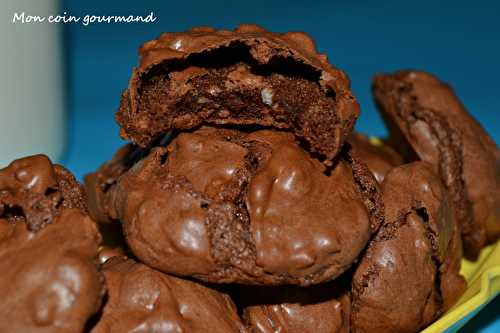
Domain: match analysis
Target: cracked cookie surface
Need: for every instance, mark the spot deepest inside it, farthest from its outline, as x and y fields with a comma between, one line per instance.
x=226, y=206
x=409, y=274
x=424, y=115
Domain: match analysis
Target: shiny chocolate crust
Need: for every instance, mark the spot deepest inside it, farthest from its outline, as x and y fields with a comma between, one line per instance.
x=141, y=299
x=38, y=190
x=48, y=250
x=248, y=76
x=323, y=308
x=425, y=112
x=380, y=158
x=409, y=274
x=228, y=206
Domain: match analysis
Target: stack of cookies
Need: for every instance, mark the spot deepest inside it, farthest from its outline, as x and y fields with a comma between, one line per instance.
x=245, y=202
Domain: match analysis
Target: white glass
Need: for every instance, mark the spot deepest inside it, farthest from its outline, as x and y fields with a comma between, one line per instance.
x=31, y=82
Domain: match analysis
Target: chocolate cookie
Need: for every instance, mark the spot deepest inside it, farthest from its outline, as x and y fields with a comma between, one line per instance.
x=323, y=308
x=230, y=206
x=48, y=250
x=99, y=182
x=248, y=76
x=409, y=274
x=426, y=113
x=141, y=299
x=379, y=157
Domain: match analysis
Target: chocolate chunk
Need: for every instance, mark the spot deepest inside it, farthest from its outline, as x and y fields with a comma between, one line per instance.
x=145, y=300
x=248, y=76
x=426, y=113
x=48, y=250
x=377, y=155
x=409, y=274
x=322, y=308
x=230, y=206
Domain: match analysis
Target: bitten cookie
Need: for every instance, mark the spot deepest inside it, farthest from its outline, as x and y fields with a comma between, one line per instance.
x=426, y=113
x=230, y=206
x=409, y=274
x=379, y=158
x=48, y=250
x=248, y=76
x=322, y=308
x=141, y=299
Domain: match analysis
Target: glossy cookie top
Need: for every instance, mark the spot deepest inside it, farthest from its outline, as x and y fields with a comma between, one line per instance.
x=144, y=300
x=48, y=250
x=322, y=308
x=231, y=206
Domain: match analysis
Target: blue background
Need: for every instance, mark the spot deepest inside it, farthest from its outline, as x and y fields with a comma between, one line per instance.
x=456, y=40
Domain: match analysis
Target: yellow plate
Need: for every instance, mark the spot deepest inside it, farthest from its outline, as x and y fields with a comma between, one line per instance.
x=483, y=284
